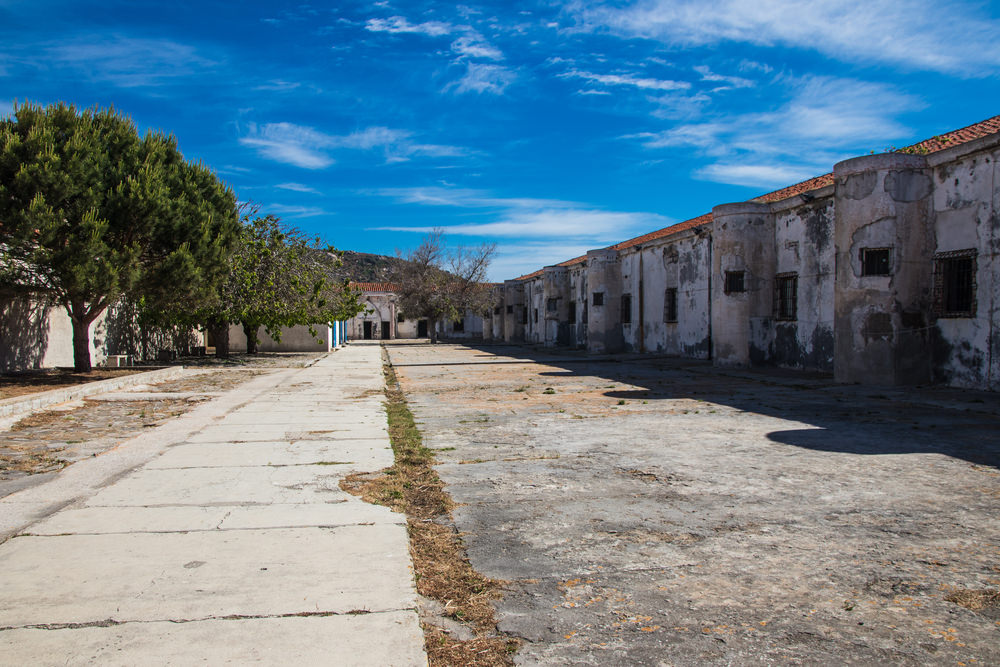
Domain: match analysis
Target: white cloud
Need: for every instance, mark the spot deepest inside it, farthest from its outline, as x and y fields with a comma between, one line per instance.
x=278, y=85
x=284, y=211
x=290, y=144
x=399, y=24
x=756, y=175
x=310, y=149
x=481, y=78
x=627, y=80
x=824, y=119
x=728, y=81
x=920, y=34
x=474, y=45
x=130, y=62
x=298, y=187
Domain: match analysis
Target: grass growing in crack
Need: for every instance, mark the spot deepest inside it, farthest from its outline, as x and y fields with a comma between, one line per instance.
x=442, y=571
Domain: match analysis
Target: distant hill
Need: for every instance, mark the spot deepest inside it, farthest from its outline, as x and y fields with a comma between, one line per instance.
x=364, y=267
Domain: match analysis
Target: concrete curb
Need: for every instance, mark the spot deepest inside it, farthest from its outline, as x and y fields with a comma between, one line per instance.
x=24, y=405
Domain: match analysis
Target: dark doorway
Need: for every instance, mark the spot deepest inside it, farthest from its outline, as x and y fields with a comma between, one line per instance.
x=385, y=330
x=368, y=330
x=422, y=329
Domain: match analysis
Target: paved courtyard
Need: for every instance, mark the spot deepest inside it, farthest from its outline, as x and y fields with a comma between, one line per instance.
x=219, y=536
x=662, y=512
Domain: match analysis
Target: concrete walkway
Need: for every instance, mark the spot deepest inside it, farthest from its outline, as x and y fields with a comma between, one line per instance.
x=230, y=542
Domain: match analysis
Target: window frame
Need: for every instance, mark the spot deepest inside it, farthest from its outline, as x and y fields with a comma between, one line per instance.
x=729, y=277
x=598, y=299
x=864, y=254
x=944, y=266
x=670, y=305
x=786, y=297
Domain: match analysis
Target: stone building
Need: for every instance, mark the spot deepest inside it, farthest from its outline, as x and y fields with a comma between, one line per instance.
x=382, y=319
x=881, y=272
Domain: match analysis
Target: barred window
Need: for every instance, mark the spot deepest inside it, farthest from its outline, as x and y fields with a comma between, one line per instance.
x=626, y=308
x=735, y=282
x=598, y=298
x=670, y=305
x=955, y=283
x=786, y=288
x=876, y=261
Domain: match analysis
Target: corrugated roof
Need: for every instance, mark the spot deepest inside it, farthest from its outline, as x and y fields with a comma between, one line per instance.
x=948, y=140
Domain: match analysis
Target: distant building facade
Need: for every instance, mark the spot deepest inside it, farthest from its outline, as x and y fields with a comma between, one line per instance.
x=884, y=271
x=382, y=319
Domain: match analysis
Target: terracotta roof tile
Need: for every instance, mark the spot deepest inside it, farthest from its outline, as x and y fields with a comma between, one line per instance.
x=374, y=287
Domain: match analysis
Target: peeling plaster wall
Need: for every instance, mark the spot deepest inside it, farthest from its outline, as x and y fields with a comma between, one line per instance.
x=966, y=216
x=578, y=297
x=604, y=276
x=881, y=322
x=513, y=318
x=534, y=299
x=804, y=245
x=555, y=306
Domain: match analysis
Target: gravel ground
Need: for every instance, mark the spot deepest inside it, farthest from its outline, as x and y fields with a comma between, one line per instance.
x=662, y=512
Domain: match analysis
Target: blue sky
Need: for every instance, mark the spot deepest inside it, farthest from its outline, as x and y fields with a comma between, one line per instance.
x=551, y=128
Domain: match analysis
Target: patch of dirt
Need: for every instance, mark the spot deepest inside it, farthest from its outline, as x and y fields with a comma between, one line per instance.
x=443, y=571
x=33, y=382
x=219, y=380
x=984, y=601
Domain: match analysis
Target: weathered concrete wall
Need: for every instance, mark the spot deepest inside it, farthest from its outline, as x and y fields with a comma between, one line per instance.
x=579, y=306
x=534, y=300
x=513, y=313
x=471, y=327
x=881, y=322
x=966, y=202
x=379, y=307
x=555, y=282
x=804, y=245
x=293, y=339
x=604, y=278
x=743, y=240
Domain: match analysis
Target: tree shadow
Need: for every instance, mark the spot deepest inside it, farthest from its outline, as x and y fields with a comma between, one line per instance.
x=24, y=331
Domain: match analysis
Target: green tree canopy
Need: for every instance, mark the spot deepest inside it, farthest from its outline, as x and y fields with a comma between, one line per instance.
x=90, y=211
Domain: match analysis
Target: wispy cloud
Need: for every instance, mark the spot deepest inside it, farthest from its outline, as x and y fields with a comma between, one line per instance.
x=283, y=211
x=481, y=78
x=725, y=81
x=298, y=187
x=915, y=34
x=130, y=62
x=310, y=149
x=278, y=85
x=473, y=45
x=399, y=24
x=627, y=80
x=528, y=218
x=823, y=119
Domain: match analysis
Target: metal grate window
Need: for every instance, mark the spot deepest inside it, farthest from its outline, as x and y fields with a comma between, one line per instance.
x=626, y=308
x=598, y=298
x=955, y=283
x=735, y=282
x=876, y=261
x=786, y=297
x=670, y=305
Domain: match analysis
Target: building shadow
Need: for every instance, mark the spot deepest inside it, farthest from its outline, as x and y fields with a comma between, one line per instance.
x=850, y=419
x=24, y=332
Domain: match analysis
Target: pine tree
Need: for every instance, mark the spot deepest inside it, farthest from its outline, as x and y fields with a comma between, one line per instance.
x=91, y=211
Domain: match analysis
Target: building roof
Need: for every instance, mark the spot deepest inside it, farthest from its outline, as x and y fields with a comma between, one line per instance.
x=375, y=287
x=948, y=140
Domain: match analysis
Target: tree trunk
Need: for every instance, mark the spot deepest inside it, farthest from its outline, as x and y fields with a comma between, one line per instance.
x=221, y=335
x=250, y=331
x=81, y=344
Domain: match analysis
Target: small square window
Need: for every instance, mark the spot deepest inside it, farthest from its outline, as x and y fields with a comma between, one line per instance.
x=786, y=297
x=496, y=310
x=626, y=308
x=735, y=282
x=510, y=310
x=458, y=325
x=598, y=298
x=399, y=317
x=670, y=305
x=552, y=305
x=955, y=283
x=876, y=261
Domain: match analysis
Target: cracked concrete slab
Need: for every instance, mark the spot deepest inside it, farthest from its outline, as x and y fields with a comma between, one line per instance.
x=178, y=547
x=660, y=511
